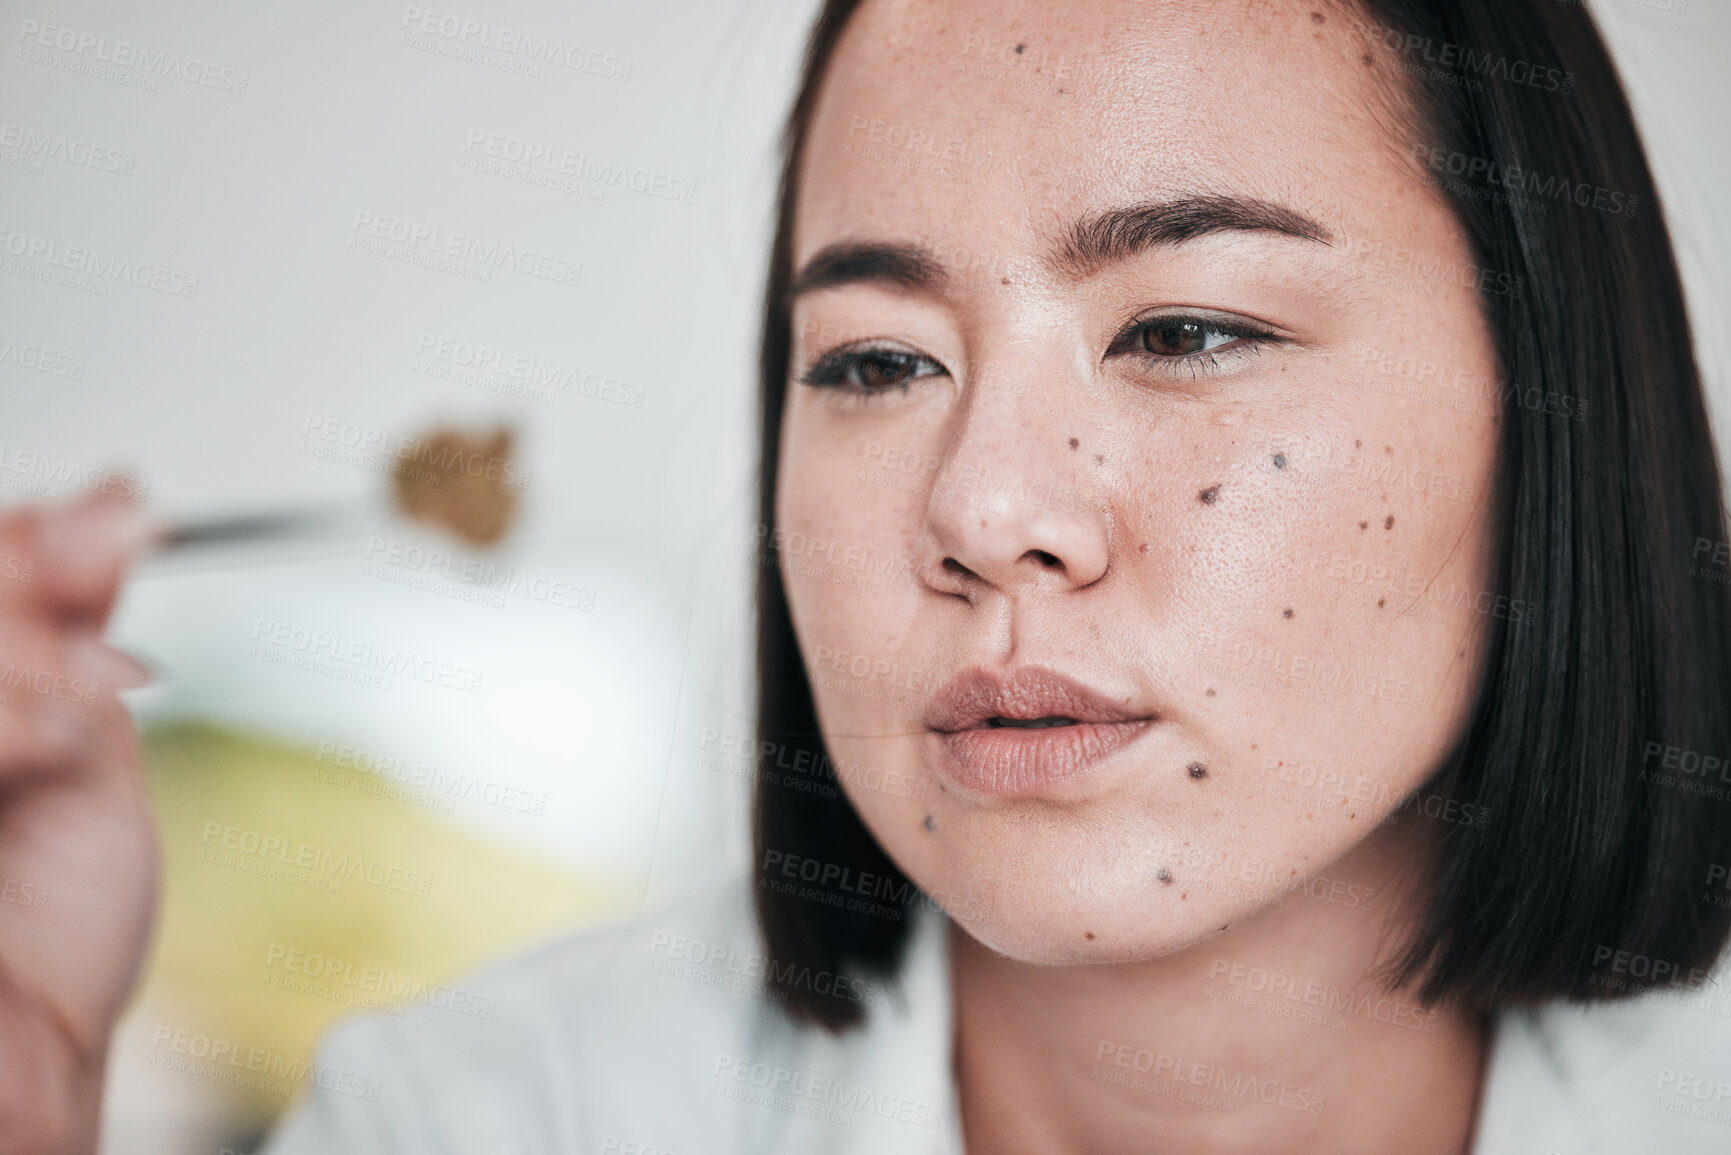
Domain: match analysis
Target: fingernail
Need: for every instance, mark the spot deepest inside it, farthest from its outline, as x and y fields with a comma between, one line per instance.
x=143, y=672
x=105, y=667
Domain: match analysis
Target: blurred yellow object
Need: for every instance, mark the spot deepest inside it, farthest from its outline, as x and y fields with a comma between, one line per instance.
x=295, y=894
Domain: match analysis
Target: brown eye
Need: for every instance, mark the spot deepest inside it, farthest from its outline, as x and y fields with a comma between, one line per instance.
x=871, y=370
x=882, y=370
x=1175, y=338
x=1192, y=343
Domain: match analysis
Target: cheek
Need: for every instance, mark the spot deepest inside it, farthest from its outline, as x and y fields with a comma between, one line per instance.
x=1349, y=541
x=844, y=513
x=1327, y=590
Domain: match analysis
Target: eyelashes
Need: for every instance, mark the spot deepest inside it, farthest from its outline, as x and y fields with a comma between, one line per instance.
x=1191, y=342
x=868, y=367
x=1173, y=343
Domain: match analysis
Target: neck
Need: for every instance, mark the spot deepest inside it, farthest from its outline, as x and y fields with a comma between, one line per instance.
x=1273, y=1036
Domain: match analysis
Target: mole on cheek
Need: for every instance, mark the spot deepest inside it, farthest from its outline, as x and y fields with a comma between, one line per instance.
x=1388, y=522
x=1280, y=461
x=1211, y=691
x=1364, y=525
x=1099, y=459
x=1198, y=770
x=1075, y=443
x=1164, y=876
x=931, y=823
x=1210, y=495
x=1089, y=935
x=1287, y=612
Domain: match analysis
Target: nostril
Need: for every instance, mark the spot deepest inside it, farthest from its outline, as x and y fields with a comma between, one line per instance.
x=951, y=565
x=1050, y=561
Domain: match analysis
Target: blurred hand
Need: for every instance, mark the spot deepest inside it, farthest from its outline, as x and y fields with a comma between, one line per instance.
x=78, y=853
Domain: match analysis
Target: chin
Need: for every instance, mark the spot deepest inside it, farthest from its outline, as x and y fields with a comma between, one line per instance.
x=1054, y=925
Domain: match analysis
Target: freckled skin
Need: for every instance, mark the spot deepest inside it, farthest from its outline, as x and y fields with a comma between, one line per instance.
x=1149, y=577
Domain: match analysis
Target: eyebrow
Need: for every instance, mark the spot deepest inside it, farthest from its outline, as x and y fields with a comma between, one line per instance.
x=869, y=262
x=1121, y=233
x=1102, y=239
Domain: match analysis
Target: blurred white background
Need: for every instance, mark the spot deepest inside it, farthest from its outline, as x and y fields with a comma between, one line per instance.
x=306, y=137
x=357, y=113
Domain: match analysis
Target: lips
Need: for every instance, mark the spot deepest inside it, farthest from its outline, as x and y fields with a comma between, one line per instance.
x=1019, y=734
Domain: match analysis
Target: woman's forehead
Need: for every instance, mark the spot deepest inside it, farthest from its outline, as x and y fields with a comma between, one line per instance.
x=1037, y=115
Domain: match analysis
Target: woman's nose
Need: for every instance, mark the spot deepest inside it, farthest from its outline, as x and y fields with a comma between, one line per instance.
x=1013, y=507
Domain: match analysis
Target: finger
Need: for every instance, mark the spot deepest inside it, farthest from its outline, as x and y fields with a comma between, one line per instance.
x=43, y=547
x=83, y=551
x=57, y=697
x=20, y=556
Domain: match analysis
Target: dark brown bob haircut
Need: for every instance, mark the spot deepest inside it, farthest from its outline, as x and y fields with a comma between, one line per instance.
x=1598, y=751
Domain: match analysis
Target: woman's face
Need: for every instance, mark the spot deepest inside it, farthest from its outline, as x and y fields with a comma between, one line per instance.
x=1140, y=391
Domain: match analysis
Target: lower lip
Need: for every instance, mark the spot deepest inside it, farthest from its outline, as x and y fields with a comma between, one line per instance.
x=1018, y=762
